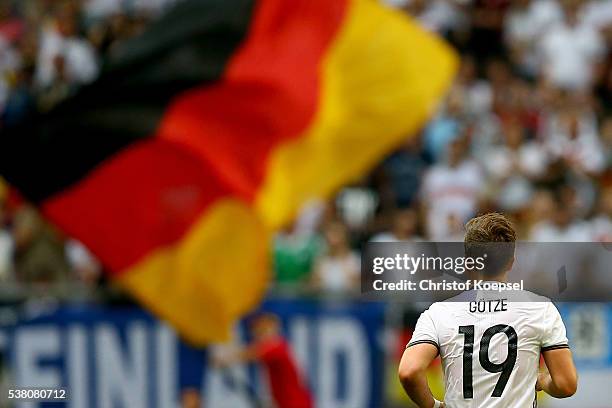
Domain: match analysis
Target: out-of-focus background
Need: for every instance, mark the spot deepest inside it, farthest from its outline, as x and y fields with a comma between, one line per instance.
x=526, y=129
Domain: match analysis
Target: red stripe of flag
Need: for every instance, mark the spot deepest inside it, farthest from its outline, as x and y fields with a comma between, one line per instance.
x=269, y=94
x=145, y=197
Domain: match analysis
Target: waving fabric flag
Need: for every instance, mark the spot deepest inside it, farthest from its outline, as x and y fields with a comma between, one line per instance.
x=212, y=129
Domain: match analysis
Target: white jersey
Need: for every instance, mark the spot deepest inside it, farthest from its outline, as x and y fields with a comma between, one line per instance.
x=490, y=347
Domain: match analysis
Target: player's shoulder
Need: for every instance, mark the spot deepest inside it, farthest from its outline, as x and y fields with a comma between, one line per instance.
x=528, y=298
x=438, y=310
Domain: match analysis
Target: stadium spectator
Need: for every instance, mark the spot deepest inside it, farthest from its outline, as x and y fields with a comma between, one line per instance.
x=270, y=349
x=403, y=228
x=571, y=134
x=337, y=270
x=570, y=50
x=513, y=166
x=294, y=256
x=401, y=176
x=296, y=247
x=39, y=256
x=445, y=127
x=525, y=24
x=563, y=226
x=83, y=264
x=21, y=99
x=442, y=16
x=60, y=41
x=450, y=192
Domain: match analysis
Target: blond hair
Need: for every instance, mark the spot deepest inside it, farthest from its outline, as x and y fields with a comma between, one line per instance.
x=491, y=235
x=490, y=227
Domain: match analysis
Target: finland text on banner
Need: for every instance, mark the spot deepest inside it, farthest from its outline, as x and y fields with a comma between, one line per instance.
x=213, y=128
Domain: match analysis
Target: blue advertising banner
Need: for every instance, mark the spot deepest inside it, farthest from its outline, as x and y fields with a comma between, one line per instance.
x=123, y=357
x=589, y=330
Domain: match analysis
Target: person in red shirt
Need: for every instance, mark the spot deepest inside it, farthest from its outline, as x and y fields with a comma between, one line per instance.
x=272, y=351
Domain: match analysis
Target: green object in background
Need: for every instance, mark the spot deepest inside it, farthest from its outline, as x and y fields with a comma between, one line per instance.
x=294, y=257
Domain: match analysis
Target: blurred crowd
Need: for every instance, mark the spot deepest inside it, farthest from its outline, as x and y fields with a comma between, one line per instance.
x=526, y=129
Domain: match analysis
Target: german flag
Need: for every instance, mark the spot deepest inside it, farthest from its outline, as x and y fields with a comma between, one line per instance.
x=212, y=129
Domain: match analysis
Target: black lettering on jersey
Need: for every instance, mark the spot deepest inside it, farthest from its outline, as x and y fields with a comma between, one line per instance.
x=489, y=306
x=468, y=350
x=505, y=368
